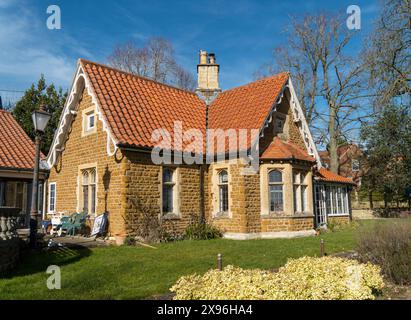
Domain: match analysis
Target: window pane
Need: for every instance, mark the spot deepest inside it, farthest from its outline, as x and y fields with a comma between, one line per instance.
x=93, y=198
x=19, y=195
x=275, y=176
x=296, y=177
x=85, y=199
x=223, y=177
x=40, y=196
x=2, y=193
x=93, y=176
x=52, y=197
x=328, y=199
x=91, y=121
x=296, y=194
x=276, y=198
x=167, y=175
x=223, y=193
x=304, y=198
x=85, y=177
x=355, y=165
x=167, y=198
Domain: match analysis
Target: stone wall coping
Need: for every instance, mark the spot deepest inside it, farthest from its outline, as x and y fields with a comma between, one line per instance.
x=269, y=235
x=273, y=216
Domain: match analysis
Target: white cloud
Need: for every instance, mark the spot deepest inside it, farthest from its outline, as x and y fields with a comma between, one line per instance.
x=28, y=49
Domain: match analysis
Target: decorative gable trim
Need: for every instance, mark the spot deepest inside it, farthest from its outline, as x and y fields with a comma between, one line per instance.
x=305, y=132
x=79, y=83
x=298, y=116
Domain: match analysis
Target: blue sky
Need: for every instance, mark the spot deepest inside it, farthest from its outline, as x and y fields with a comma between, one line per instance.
x=242, y=33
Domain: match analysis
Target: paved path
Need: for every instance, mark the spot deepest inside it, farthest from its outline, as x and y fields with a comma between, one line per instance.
x=78, y=241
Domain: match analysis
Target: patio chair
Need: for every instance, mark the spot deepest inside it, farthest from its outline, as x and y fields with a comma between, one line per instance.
x=76, y=222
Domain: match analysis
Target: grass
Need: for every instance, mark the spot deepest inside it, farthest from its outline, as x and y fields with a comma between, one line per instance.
x=140, y=272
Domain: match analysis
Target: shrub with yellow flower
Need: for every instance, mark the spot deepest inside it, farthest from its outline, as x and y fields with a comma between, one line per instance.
x=306, y=278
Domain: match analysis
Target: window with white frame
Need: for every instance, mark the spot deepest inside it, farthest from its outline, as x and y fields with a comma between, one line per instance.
x=223, y=192
x=336, y=198
x=52, y=197
x=355, y=165
x=300, y=191
x=168, y=190
x=275, y=190
x=91, y=118
x=89, y=121
x=88, y=191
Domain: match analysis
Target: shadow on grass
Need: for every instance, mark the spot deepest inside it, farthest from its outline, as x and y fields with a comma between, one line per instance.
x=32, y=262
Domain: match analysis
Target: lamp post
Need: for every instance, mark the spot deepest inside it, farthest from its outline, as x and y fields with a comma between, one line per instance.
x=40, y=118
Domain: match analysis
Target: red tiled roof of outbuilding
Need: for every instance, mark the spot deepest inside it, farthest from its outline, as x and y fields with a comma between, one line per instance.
x=326, y=175
x=279, y=149
x=16, y=148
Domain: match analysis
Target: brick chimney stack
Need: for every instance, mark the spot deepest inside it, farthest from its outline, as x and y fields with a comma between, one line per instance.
x=208, y=71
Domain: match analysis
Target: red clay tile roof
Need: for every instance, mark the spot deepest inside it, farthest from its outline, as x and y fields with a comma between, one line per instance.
x=16, y=148
x=279, y=149
x=135, y=106
x=326, y=175
x=247, y=106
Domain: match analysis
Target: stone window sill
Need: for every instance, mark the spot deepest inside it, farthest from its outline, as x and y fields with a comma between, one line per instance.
x=339, y=215
x=303, y=214
x=221, y=215
x=171, y=216
x=282, y=215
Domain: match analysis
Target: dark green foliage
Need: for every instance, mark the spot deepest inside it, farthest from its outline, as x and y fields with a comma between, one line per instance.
x=35, y=96
x=387, y=154
x=389, y=246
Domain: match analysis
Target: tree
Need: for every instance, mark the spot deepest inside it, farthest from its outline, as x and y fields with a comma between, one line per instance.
x=154, y=60
x=324, y=74
x=32, y=99
x=388, y=53
x=387, y=154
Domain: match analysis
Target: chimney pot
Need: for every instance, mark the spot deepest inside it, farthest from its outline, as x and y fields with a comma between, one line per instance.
x=203, y=57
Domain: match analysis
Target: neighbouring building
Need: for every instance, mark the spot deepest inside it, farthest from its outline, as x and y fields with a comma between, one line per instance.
x=16, y=168
x=349, y=156
x=101, y=158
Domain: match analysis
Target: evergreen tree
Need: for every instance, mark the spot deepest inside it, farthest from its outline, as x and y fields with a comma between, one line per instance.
x=387, y=156
x=35, y=96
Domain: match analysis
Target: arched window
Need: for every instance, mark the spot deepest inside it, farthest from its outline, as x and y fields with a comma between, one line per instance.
x=89, y=191
x=275, y=187
x=223, y=191
x=168, y=190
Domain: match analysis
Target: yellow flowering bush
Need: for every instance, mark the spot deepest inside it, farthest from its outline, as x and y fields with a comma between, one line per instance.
x=304, y=278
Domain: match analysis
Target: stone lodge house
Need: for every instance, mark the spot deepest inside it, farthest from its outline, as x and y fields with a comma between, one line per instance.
x=101, y=156
x=16, y=168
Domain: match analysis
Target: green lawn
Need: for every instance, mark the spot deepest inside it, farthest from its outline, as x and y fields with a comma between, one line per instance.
x=139, y=272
